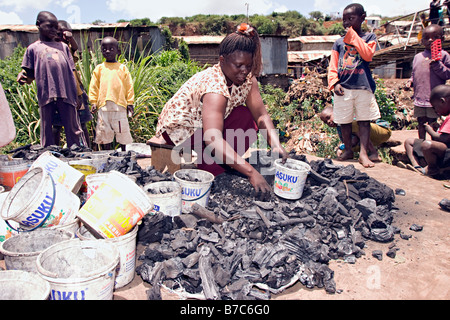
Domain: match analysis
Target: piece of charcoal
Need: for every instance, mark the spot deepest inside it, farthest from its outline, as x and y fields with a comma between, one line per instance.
x=392, y=253
x=416, y=228
x=377, y=254
x=445, y=204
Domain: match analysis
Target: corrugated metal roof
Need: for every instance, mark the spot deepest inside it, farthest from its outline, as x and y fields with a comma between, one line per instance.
x=315, y=39
x=83, y=26
x=201, y=39
x=305, y=56
x=19, y=27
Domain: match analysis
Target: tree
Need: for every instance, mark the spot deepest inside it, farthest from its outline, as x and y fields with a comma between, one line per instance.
x=316, y=15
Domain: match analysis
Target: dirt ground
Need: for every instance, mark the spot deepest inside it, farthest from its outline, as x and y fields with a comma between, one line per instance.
x=420, y=270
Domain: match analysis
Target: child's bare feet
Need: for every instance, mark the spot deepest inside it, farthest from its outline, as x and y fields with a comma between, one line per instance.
x=346, y=155
x=375, y=157
x=366, y=162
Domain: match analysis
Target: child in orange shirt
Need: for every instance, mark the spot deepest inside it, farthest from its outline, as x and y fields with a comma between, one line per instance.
x=354, y=87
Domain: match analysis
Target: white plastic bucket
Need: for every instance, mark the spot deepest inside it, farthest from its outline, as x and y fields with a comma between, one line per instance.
x=79, y=270
x=22, y=250
x=127, y=251
x=61, y=171
x=71, y=226
x=94, y=181
x=290, y=178
x=166, y=198
x=116, y=207
x=6, y=231
x=12, y=171
x=194, y=191
x=36, y=201
x=23, y=286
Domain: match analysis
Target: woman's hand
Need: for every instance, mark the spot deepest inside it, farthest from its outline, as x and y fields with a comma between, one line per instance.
x=262, y=189
x=280, y=152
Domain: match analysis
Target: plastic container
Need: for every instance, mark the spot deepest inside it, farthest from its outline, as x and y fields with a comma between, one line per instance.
x=61, y=171
x=116, y=207
x=290, y=178
x=36, y=201
x=194, y=191
x=79, y=270
x=12, y=171
x=23, y=286
x=6, y=231
x=127, y=251
x=166, y=198
x=22, y=250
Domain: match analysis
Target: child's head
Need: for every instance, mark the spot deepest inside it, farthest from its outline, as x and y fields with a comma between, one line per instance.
x=244, y=41
x=327, y=117
x=430, y=34
x=47, y=24
x=440, y=99
x=63, y=26
x=110, y=49
x=354, y=16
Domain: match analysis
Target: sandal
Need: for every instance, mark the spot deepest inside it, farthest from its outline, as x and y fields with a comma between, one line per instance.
x=401, y=165
x=417, y=169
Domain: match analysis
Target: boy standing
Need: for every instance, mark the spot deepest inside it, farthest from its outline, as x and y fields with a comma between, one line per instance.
x=435, y=153
x=65, y=35
x=428, y=73
x=111, y=92
x=354, y=87
x=50, y=63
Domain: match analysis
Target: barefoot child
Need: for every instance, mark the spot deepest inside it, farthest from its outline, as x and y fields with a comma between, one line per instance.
x=354, y=87
x=427, y=73
x=379, y=134
x=50, y=63
x=435, y=153
x=111, y=92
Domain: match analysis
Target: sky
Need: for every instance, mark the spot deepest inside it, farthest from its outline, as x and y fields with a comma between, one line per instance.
x=88, y=11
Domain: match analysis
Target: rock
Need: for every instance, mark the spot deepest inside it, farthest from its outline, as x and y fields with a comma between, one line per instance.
x=377, y=254
x=445, y=205
x=416, y=228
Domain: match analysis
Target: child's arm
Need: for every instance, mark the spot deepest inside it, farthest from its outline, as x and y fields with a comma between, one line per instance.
x=439, y=137
x=94, y=89
x=365, y=50
x=129, y=88
x=25, y=77
x=442, y=67
x=73, y=45
x=333, y=75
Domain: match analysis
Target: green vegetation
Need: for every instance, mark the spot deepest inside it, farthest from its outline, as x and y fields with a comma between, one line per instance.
x=290, y=23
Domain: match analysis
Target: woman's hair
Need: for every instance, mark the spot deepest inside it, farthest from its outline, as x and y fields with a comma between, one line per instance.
x=245, y=39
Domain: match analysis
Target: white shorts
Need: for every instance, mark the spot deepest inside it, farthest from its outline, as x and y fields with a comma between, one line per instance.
x=359, y=105
x=112, y=121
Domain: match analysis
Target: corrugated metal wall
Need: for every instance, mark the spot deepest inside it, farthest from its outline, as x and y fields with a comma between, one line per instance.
x=148, y=39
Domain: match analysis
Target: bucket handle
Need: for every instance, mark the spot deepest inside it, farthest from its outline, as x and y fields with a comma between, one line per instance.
x=48, y=214
x=199, y=198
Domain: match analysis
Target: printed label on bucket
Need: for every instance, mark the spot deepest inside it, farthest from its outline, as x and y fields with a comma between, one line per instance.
x=110, y=213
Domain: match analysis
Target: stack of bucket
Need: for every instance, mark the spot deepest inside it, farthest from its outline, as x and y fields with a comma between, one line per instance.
x=43, y=216
x=69, y=251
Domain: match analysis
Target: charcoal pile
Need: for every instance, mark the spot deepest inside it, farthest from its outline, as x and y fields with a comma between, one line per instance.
x=126, y=164
x=32, y=152
x=241, y=248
